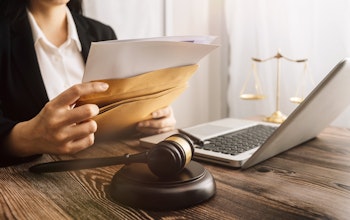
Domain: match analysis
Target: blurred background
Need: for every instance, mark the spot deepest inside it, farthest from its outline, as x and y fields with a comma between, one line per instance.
x=317, y=30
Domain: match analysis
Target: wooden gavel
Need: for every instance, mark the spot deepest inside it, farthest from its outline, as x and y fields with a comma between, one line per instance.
x=165, y=159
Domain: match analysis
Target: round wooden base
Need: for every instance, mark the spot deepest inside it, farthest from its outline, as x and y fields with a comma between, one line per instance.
x=136, y=186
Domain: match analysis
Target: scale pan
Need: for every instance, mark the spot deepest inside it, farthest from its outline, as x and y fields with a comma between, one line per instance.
x=252, y=96
x=296, y=100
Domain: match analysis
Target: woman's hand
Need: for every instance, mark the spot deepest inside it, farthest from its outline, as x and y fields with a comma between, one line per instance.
x=59, y=128
x=163, y=120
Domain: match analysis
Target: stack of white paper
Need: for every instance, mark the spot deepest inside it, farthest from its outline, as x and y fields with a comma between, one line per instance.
x=125, y=58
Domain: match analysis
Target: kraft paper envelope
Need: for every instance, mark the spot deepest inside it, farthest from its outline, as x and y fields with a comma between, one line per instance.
x=131, y=100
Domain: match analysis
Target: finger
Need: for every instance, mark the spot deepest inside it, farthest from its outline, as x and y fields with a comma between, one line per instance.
x=156, y=126
x=71, y=95
x=75, y=138
x=151, y=131
x=83, y=143
x=72, y=132
x=81, y=113
x=164, y=112
x=81, y=130
x=158, y=123
x=76, y=145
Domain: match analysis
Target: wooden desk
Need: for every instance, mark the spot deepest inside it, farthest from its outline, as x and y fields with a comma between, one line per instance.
x=309, y=181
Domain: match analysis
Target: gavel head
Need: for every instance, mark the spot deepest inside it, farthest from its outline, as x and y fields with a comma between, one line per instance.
x=171, y=155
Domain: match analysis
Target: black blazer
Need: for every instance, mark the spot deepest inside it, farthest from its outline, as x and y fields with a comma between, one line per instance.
x=22, y=90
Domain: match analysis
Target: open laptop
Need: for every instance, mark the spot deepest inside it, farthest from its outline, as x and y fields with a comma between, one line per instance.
x=329, y=98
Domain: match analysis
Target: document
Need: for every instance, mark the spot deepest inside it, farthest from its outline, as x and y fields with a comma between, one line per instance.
x=117, y=59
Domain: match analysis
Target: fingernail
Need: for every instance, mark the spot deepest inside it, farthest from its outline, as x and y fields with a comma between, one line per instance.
x=144, y=124
x=155, y=114
x=104, y=86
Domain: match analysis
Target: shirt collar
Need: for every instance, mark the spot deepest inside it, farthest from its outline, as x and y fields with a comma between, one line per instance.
x=72, y=30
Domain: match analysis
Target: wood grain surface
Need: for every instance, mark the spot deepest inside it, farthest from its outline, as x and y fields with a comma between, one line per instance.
x=311, y=181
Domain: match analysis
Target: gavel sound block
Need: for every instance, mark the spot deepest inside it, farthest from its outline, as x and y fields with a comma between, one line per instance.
x=163, y=178
x=136, y=186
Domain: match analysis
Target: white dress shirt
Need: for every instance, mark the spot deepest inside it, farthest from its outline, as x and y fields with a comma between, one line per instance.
x=63, y=66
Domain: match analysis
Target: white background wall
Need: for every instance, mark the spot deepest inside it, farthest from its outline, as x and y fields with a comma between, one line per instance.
x=206, y=98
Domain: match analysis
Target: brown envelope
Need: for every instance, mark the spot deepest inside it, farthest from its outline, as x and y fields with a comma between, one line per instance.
x=130, y=100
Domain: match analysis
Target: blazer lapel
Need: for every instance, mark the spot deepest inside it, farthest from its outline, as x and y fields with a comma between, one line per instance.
x=25, y=57
x=84, y=36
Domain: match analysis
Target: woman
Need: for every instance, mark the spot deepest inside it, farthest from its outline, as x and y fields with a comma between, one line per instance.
x=43, y=49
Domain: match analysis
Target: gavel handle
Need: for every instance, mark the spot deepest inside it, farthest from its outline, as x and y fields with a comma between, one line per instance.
x=78, y=164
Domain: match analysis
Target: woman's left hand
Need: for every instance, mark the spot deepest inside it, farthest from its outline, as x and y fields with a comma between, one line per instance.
x=163, y=120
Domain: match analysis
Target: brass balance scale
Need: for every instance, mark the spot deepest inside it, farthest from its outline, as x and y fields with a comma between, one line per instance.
x=277, y=116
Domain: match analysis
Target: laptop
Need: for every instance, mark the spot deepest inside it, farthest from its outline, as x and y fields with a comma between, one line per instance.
x=324, y=103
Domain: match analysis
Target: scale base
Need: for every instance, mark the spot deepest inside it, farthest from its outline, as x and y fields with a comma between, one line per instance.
x=136, y=186
x=276, y=117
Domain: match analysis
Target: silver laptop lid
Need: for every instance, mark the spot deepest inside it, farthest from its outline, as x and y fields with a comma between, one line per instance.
x=318, y=110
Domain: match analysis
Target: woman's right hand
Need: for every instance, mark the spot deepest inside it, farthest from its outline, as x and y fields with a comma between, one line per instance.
x=59, y=128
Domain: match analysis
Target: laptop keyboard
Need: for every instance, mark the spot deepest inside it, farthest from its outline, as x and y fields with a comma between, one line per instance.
x=239, y=141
